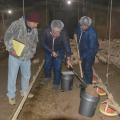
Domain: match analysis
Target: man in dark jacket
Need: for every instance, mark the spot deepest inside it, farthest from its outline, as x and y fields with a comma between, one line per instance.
x=88, y=47
x=56, y=45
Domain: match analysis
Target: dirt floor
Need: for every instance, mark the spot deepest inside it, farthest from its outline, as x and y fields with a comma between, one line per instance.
x=6, y=110
x=56, y=105
x=48, y=104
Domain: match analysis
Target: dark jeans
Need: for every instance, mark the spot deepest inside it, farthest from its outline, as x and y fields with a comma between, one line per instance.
x=56, y=64
x=87, y=64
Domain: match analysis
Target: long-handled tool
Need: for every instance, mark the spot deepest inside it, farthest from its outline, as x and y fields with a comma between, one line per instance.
x=77, y=46
x=83, y=84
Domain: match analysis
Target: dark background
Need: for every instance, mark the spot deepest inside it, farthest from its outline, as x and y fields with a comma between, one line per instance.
x=98, y=10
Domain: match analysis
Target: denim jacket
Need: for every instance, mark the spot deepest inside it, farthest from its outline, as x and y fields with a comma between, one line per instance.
x=87, y=42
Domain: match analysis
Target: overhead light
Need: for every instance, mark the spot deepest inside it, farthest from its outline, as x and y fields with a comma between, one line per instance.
x=69, y=2
x=9, y=11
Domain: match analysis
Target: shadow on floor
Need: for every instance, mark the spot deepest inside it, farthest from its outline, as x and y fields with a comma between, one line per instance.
x=62, y=119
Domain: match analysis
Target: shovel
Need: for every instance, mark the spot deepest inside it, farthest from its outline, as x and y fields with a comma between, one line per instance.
x=83, y=84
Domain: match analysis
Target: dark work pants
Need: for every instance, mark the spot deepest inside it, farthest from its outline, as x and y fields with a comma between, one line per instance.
x=87, y=64
x=56, y=64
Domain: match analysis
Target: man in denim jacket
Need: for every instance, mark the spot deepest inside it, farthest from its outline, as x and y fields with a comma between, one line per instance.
x=23, y=30
x=56, y=45
x=88, y=46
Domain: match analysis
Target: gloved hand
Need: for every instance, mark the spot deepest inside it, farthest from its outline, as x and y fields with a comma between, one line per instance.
x=69, y=64
x=54, y=54
x=79, y=61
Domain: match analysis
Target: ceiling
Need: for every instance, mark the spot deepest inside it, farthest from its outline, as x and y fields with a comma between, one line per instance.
x=18, y=3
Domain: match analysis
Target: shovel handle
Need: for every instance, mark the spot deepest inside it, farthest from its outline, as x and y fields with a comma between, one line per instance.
x=80, y=79
x=81, y=72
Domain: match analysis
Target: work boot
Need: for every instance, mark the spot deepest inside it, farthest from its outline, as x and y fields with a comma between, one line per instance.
x=30, y=95
x=12, y=101
x=45, y=81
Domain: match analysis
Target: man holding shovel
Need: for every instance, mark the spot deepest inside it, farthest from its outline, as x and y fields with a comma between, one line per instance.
x=87, y=43
x=56, y=45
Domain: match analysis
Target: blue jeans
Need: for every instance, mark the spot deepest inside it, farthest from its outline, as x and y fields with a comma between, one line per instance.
x=14, y=64
x=87, y=69
x=56, y=64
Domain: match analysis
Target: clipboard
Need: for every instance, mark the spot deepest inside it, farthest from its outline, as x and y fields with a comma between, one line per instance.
x=18, y=47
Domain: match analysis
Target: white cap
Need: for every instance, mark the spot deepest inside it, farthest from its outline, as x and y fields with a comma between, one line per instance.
x=85, y=20
x=57, y=25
